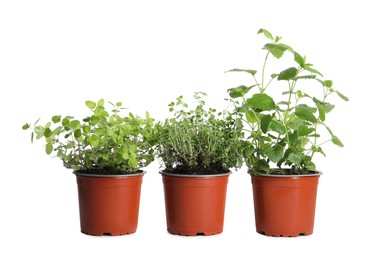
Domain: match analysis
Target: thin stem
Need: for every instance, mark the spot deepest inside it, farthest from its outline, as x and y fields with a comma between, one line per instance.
x=263, y=73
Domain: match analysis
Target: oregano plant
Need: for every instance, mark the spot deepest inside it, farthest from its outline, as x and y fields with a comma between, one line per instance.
x=105, y=142
x=287, y=128
x=199, y=141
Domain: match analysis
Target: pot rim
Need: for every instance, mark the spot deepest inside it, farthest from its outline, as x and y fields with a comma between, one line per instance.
x=163, y=173
x=77, y=173
x=317, y=173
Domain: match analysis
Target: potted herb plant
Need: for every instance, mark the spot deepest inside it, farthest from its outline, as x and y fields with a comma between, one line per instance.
x=197, y=147
x=106, y=150
x=286, y=129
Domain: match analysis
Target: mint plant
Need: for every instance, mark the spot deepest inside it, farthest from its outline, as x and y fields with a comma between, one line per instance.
x=199, y=141
x=102, y=143
x=287, y=129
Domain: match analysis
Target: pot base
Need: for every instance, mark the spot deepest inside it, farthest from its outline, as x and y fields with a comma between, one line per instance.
x=283, y=234
x=194, y=233
x=106, y=233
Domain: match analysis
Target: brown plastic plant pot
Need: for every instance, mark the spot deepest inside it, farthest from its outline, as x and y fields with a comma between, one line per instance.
x=285, y=204
x=109, y=204
x=195, y=204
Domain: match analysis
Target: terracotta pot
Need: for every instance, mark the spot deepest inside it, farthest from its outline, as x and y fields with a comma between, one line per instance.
x=109, y=205
x=285, y=204
x=195, y=204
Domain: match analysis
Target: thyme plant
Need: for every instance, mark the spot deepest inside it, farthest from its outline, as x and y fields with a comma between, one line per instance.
x=200, y=140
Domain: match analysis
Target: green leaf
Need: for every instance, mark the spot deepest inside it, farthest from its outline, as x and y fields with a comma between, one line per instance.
x=266, y=33
x=342, y=95
x=303, y=130
x=238, y=91
x=261, y=101
x=288, y=74
x=94, y=140
x=252, y=72
x=321, y=112
x=295, y=158
x=306, y=114
x=119, y=104
x=248, y=151
x=310, y=165
x=49, y=148
x=276, y=153
x=337, y=141
x=276, y=50
x=305, y=77
x=277, y=127
x=56, y=119
x=65, y=122
x=90, y=104
x=265, y=121
x=74, y=124
x=77, y=133
x=251, y=117
x=100, y=103
x=310, y=69
x=327, y=83
x=25, y=126
x=86, y=129
x=124, y=152
x=57, y=130
x=299, y=59
x=261, y=165
x=238, y=123
x=47, y=132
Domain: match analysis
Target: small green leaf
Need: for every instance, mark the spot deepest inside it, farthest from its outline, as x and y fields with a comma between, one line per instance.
x=47, y=132
x=310, y=165
x=327, y=83
x=288, y=74
x=252, y=72
x=265, y=121
x=56, y=119
x=295, y=158
x=86, y=129
x=305, y=77
x=310, y=69
x=124, y=152
x=276, y=50
x=276, y=153
x=77, y=133
x=337, y=141
x=277, y=127
x=74, y=124
x=299, y=59
x=248, y=151
x=119, y=104
x=261, y=101
x=101, y=103
x=261, y=165
x=305, y=114
x=49, y=148
x=26, y=126
x=238, y=91
x=321, y=112
x=94, y=140
x=65, y=122
x=303, y=130
x=342, y=95
x=238, y=123
x=251, y=117
x=90, y=104
x=266, y=33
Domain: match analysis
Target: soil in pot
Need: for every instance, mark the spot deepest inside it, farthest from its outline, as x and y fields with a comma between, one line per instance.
x=195, y=204
x=284, y=205
x=109, y=205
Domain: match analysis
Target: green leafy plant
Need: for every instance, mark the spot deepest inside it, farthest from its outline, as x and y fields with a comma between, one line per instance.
x=102, y=143
x=289, y=131
x=199, y=141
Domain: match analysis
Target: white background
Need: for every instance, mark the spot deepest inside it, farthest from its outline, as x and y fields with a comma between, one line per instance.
x=54, y=55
